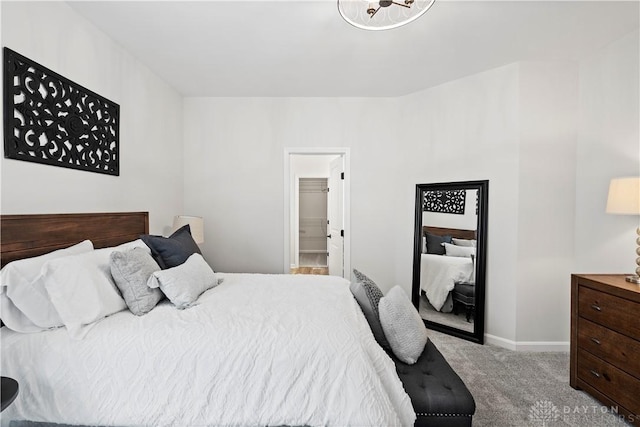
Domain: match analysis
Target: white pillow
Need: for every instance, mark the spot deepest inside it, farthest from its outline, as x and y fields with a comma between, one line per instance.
x=24, y=303
x=464, y=242
x=14, y=318
x=185, y=283
x=82, y=290
x=402, y=325
x=459, y=251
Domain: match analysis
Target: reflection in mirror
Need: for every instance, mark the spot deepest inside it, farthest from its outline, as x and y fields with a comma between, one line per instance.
x=449, y=257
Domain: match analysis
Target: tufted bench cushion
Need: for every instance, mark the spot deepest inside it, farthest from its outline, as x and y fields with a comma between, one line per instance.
x=437, y=393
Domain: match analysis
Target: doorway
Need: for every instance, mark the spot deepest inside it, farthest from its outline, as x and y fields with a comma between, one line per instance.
x=317, y=238
x=313, y=223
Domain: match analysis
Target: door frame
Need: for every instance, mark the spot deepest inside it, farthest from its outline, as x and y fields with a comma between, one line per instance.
x=289, y=202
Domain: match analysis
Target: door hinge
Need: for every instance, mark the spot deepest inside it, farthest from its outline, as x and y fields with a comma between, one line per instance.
x=341, y=175
x=327, y=222
x=341, y=233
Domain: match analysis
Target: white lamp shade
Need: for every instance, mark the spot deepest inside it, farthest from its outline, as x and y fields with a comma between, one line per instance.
x=196, y=224
x=624, y=196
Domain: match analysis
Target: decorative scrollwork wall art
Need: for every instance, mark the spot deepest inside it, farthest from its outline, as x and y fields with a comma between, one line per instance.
x=50, y=119
x=447, y=201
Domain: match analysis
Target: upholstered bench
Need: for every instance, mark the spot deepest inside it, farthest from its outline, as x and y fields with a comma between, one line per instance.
x=438, y=395
x=464, y=294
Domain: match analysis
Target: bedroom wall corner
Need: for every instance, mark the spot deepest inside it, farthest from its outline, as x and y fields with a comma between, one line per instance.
x=548, y=105
x=239, y=169
x=608, y=147
x=467, y=129
x=151, y=170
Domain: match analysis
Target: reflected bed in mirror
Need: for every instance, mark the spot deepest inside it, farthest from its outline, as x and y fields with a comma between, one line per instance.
x=449, y=257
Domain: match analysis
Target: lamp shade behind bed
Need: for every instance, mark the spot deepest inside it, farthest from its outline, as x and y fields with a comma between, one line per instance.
x=196, y=224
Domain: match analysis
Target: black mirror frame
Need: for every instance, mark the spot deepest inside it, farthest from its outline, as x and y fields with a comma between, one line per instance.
x=481, y=260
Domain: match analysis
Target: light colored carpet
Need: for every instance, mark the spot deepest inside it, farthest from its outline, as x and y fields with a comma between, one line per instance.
x=521, y=388
x=458, y=321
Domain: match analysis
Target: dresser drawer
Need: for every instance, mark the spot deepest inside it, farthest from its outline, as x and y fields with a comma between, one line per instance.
x=607, y=310
x=609, y=380
x=615, y=348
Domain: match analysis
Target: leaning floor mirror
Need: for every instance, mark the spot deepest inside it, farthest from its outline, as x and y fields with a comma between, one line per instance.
x=449, y=261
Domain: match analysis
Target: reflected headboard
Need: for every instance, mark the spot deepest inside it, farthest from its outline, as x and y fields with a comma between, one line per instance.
x=453, y=232
x=23, y=236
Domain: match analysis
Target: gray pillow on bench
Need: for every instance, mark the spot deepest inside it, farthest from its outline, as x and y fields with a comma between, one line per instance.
x=402, y=325
x=368, y=296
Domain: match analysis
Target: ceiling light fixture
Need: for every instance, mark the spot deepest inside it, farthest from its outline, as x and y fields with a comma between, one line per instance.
x=382, y=14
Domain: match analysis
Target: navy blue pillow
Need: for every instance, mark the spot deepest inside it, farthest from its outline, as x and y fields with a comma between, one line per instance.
x=173, y=250
x=434, y=243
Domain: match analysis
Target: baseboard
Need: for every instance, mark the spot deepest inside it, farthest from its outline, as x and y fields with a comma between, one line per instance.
x=313, y=251
x=533, y=346
x=500, y=342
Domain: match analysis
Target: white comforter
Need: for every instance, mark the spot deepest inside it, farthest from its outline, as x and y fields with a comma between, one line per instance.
x=257, y=350
x=439, y=274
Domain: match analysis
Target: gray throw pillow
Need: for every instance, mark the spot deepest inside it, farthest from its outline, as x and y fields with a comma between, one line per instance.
x=434, y=243
x=172, y=251
x=402, y=325
x=368, y=295
x=130, y=270
x=185, y=283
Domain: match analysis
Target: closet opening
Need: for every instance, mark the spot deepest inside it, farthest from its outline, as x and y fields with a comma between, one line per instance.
x=317, y=237
x=312, y=224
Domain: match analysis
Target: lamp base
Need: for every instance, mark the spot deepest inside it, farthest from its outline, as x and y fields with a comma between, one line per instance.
x=633, y=279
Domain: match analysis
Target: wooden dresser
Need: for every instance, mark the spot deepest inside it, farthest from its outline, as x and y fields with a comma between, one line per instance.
x=605, y=341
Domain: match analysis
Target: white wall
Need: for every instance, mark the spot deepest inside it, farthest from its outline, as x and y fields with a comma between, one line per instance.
x=548, y=109
x=234, y=166
x=54, y=35
x=608, y=147
x=468, y=130
x=516, y=126
x=311, y=165
x=464, y=130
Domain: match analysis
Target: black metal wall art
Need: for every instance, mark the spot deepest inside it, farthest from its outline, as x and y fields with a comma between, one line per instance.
x=447, y=201
x=50, y=119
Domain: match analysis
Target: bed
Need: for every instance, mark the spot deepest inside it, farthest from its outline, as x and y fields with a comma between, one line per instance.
x=442, y=269
x=255, y=349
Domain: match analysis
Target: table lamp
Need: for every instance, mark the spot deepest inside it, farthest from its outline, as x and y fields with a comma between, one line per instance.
x=624, y=199
x=196, y=224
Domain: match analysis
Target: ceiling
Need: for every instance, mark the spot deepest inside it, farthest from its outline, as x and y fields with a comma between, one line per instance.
x=304, y=47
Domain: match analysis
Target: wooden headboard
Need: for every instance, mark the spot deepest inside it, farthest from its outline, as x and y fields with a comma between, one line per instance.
x=23, y=236
x=453, y=232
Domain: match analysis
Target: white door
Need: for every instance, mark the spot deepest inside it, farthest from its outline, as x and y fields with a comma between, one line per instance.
x=335, y=237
